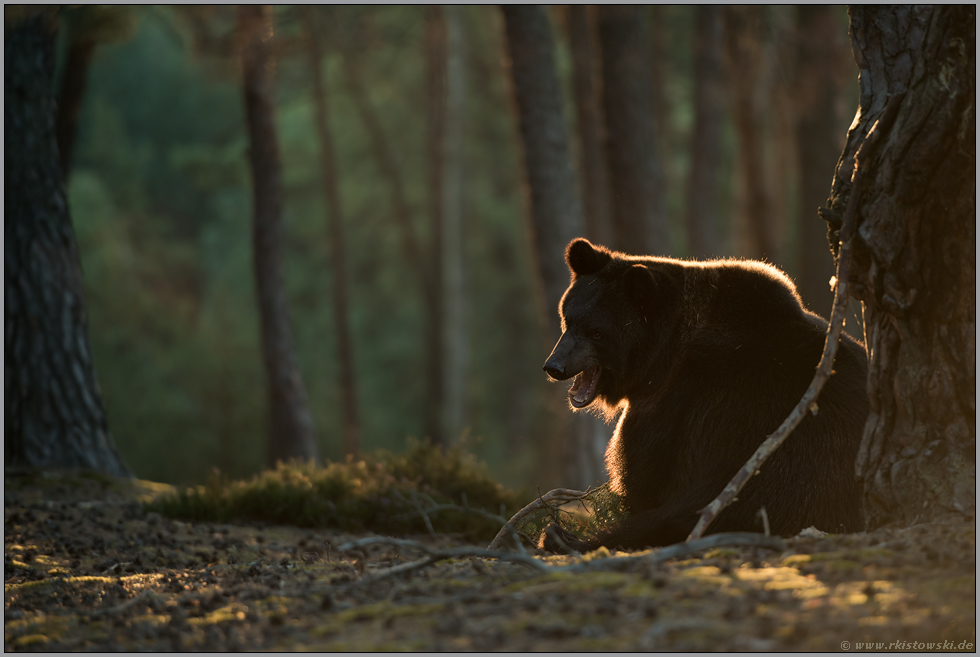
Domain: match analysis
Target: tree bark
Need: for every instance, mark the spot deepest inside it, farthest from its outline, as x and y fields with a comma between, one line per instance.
x=350, y=425
x=702, y=185
x=635, y=172
x=913, y=258
x=290, y=423
x=743, y=36
x=454, y=298
x=53, y=410
x=435, y=73
x=821, y=72
x=555, y=213
x=589, y=124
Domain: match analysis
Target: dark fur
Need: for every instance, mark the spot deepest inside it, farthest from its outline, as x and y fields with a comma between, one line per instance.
x=707, y=359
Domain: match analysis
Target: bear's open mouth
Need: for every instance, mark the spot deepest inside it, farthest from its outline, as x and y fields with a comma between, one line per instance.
x=584, y=386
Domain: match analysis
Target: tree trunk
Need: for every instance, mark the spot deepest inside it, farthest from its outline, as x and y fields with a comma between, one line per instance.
x=743, y=38
x=702, y=185
x=635, y=173
x=53, y=410
x=913, y=263
x=80, y=51
x=350, y=425
x=820, y=76
x=555, y=213
x=454, y=326
x=589, y=124
x=290, y=424
x=435, y=72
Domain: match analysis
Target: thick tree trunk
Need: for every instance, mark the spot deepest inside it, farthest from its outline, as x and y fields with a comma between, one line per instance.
x=454, y=298
x=53, y=411
x=350, y=425
x=589, y=124
x=556, y=213
x=702, y=185
x=635, y=172
x=290, y=423
x=913, y=263
x=743, y=38
x=820, y=81
x=435, y=74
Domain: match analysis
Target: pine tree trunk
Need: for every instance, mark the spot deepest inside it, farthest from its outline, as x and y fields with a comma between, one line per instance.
x=589, y=124
x=556, y=212
x=636, y=175
x=702, y=186
x=73, y=81
x=913, y=258
x=743, y=38
x=53, y=410
x=290, y=423
x=821, y=47
x=570, y=458
x=435, y=72
x=454, y=326
x=350, y=424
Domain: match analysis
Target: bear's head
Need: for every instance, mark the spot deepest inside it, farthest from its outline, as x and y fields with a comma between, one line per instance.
x=615, y=314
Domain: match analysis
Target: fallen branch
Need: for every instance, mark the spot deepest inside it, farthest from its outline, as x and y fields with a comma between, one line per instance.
x=560, y=495
x=435, y=555
x=824, y=369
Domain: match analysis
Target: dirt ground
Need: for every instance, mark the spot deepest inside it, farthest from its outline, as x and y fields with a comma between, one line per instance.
x=87, y=568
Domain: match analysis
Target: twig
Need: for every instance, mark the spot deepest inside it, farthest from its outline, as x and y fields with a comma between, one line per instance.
x=824, y=369
x=515, y=534
x=557, y=495
x=425, y=517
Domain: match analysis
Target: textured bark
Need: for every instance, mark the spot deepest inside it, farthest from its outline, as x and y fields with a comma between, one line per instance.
x=913, y=258
x=635, y=172
x=350, y=425
x=556, y=213
x=454, y=299
x=290, y=423
x=435, y=73
x=589, y=124
x=822, y=74
x=702, y=185
x=743, y=38
x=53, y=410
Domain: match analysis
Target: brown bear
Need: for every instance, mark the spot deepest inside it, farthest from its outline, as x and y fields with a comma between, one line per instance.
x=706, y=359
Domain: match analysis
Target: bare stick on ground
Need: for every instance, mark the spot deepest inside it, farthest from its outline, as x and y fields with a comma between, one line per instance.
x=824, y=369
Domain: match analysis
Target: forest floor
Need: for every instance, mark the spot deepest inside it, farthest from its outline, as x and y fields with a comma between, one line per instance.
x=87, y=568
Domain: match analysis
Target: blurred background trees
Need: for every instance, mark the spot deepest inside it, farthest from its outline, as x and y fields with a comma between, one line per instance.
x=679, y=124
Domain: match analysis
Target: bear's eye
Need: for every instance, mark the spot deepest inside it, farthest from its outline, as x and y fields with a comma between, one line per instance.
x=596, y=335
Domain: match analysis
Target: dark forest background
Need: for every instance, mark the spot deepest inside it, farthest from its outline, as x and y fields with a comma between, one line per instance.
x=160, y=196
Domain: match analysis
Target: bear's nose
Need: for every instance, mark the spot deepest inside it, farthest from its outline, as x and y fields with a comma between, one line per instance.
x=555, y=370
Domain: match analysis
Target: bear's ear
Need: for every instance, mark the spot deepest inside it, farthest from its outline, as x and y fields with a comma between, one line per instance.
x=641, y=286
x=583, y=258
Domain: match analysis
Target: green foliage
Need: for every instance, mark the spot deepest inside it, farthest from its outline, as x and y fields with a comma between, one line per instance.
x=160, y=199
x=384, y=493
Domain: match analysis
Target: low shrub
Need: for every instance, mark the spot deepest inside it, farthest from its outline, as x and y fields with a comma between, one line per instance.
x=383, y=493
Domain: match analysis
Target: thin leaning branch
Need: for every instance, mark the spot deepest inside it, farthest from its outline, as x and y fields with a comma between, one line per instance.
x=824, y=369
